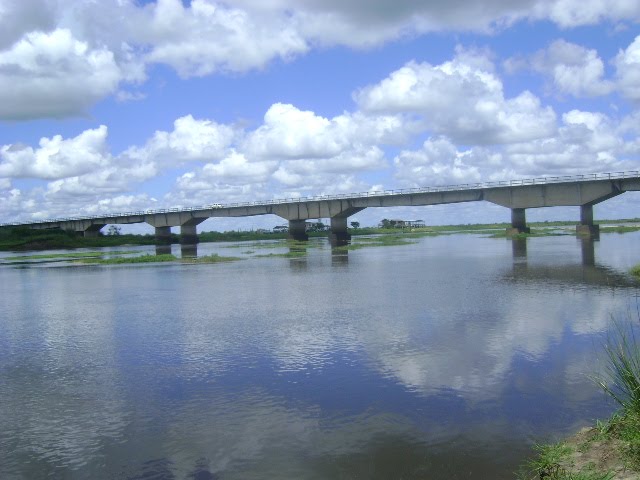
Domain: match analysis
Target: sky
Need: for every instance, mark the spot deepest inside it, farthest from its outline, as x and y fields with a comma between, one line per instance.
x=121, y=105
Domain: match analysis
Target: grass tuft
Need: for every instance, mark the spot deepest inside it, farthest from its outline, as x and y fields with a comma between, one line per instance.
x=621, y=380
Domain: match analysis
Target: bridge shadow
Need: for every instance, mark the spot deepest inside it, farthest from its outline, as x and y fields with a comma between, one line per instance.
x=587, y=272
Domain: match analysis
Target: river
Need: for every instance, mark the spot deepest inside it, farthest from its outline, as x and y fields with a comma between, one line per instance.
x=444, y=359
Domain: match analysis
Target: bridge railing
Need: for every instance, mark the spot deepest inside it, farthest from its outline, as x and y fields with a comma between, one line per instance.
x=347, y=196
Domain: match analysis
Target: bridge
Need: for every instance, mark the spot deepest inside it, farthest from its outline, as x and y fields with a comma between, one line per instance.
x=584, y=191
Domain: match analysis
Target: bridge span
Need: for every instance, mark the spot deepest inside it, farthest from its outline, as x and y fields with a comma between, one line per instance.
x=584, y=191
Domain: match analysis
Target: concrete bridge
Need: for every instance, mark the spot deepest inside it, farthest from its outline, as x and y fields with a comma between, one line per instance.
x=518, y=195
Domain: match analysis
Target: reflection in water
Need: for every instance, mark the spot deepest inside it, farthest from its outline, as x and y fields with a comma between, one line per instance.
x=163, y=249
x=519, y=247
x=587, y=245
x=339, y=256
x=189, y=250
x=432, y=360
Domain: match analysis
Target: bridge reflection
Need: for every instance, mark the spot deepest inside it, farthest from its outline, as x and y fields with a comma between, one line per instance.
x=587, y=272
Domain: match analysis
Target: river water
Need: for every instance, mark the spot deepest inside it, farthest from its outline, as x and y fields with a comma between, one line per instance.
x=444, y=359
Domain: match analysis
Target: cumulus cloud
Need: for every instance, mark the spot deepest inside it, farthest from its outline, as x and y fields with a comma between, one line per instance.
x=573, y=69
x=460, y=100
x=56, y=157
x=439, y=162
x=54, y=75
x=586, y=142
x=207, y=37
x=63, y=56
x=627, y=63
x=190, y=140
x=290, y=133
x=574, y=13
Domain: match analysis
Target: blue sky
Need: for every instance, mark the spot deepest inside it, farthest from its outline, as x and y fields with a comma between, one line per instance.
x=120, y=105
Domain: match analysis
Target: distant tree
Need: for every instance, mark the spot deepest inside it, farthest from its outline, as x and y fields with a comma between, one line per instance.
x=355, y=225
x=386, y=223
x=113, y=230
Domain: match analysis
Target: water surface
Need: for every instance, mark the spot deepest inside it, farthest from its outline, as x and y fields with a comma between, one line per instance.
x=444, y=359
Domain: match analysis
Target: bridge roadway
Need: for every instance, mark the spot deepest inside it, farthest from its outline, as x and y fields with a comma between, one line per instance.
x=518, y=195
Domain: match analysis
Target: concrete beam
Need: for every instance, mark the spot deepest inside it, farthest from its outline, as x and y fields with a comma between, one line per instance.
x=553, y=195
x=298, y=230
x=518, y=222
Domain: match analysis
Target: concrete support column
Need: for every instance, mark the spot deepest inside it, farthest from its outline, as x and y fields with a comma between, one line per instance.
x=188, y=234
x=518, y=222
x=163, y=235
x=586, y=227
x=90, y=233
x=298, y=230
x=93, y=231
x=339, y=234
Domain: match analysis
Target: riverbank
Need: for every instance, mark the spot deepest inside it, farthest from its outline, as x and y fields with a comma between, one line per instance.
x=23, y=239
x=611, y=449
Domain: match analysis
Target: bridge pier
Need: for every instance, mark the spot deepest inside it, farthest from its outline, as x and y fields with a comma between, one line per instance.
x=92, y=231
x=298, y=230
x=188, y=234
x=339, y=233
x=586, y=227
x=518, y=222
x=163, y=235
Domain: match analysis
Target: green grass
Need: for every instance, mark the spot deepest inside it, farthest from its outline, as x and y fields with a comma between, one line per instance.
x=122, y=260
x=620, y=435
x=68, y=255
x=619, y=229
x=621, y=380
x=380, y=241
x=533, y=233
x=213, y=258
x=635, y=271
x=553, y=462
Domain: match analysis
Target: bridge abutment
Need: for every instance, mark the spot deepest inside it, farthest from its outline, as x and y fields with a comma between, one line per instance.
x=298, y=230
x=339, y=233
x=518, y=222
x=587, y=228
x=163, y=235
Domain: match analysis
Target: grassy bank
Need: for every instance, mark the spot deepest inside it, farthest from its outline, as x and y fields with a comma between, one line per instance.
x=23, y=238
x=611, y=449
x=214, y=258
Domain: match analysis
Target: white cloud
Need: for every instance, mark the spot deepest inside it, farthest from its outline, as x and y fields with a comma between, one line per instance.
x=627, y=63
x=190, y=140
x=236, y=168
x=438, y=163
x=54, y=75
x=461, y=101
x=586, y=142
x=573, y=69
x=20, y=16
x=56, y=157
x=290, y=133
x=82, y=50
x=209, y=37
x=574, y=13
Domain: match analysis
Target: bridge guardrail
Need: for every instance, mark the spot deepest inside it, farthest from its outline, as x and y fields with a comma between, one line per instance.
x=342, y=196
